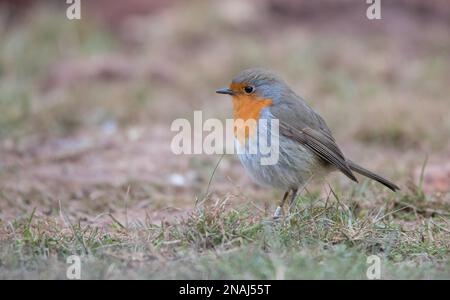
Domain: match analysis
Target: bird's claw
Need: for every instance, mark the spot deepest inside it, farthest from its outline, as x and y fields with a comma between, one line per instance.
x=277, y=214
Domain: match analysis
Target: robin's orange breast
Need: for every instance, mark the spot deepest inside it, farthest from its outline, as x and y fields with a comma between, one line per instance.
x=247, y=108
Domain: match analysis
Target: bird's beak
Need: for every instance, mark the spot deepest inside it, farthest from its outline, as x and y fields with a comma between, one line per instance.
x=225, y=91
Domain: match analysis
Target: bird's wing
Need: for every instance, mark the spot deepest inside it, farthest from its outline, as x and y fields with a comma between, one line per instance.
x=320, y=144
x=299, y=122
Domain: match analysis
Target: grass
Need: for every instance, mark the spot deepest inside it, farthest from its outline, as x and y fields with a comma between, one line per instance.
x=322, y=238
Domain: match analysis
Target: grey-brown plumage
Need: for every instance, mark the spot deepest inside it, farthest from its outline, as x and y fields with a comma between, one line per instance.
x=298, y=121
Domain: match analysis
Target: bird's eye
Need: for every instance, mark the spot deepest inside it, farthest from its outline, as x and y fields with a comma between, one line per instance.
x=249, y=89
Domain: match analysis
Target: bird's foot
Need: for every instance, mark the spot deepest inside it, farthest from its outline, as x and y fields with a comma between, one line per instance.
x=277, y=214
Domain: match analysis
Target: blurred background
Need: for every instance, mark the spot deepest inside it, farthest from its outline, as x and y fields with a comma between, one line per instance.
x=86, y=105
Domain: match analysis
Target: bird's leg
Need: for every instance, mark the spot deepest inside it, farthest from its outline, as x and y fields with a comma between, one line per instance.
x=291, y=202
x=277, y=213
x=295, y=192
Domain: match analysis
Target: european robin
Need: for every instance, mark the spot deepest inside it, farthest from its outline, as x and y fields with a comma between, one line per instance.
x=307, y=148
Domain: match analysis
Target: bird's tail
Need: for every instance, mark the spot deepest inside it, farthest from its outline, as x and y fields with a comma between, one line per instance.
x=358, y=169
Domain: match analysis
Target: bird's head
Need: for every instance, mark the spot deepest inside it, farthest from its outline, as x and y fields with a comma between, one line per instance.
x=256, y=84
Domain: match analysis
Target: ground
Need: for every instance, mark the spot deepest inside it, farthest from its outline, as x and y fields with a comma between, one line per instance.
x=86, y=166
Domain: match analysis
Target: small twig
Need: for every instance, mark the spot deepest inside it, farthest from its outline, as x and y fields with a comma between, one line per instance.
x=441, y=227
x=126, y=205
x=422, y=174
x=209, y=182
x=390, y=213
x=328, y=198
x=116, y=221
